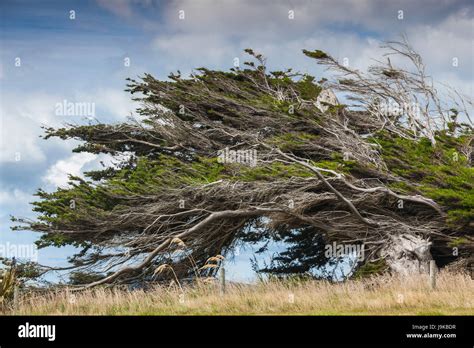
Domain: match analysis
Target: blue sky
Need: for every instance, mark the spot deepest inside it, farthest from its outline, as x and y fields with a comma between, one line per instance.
x=82, y=60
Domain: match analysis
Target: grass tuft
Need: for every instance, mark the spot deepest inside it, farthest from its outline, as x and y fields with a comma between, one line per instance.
x=377, y=295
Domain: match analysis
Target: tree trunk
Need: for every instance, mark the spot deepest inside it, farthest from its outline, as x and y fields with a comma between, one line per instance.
x=407, y=254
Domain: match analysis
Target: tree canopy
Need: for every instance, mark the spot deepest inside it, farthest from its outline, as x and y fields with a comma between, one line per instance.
x=222, y=157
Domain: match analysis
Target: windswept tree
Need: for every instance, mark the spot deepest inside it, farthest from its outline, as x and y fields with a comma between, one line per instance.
x=218, y=158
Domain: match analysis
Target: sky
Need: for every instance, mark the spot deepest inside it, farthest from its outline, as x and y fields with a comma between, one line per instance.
x=81, y=52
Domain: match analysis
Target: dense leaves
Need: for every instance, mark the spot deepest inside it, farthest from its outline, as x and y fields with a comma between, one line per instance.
x=170, y=199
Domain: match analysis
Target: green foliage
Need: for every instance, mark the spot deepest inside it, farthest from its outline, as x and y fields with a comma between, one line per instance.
x=290, y=141
x=370, y=268
x=152, y=176
x=54, y=239
x=80, y=278
x=67, y=204
x=85, y=199
x=271, y=172
x=441, y=172
x=317, y=54
x=304, y=253
x=458, y=242
x=338, y=166
x=334, y=109
x=307, y=88
x=392, y=73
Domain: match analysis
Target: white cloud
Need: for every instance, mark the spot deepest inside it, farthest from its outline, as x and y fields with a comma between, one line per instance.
x=185, y=51
x=14, y=197
x=248, y=17
x=21, y=120
x=452, y=38
x=190, y=50
x=116, y=102
x=126, y=9
x=212, y=34
x=22, y=117
x=57, y=174
x=120, y=8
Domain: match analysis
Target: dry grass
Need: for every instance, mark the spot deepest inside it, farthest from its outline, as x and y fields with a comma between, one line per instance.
x=378, y=296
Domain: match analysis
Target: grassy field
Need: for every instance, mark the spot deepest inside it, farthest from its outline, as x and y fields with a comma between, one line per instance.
x=383, y=295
